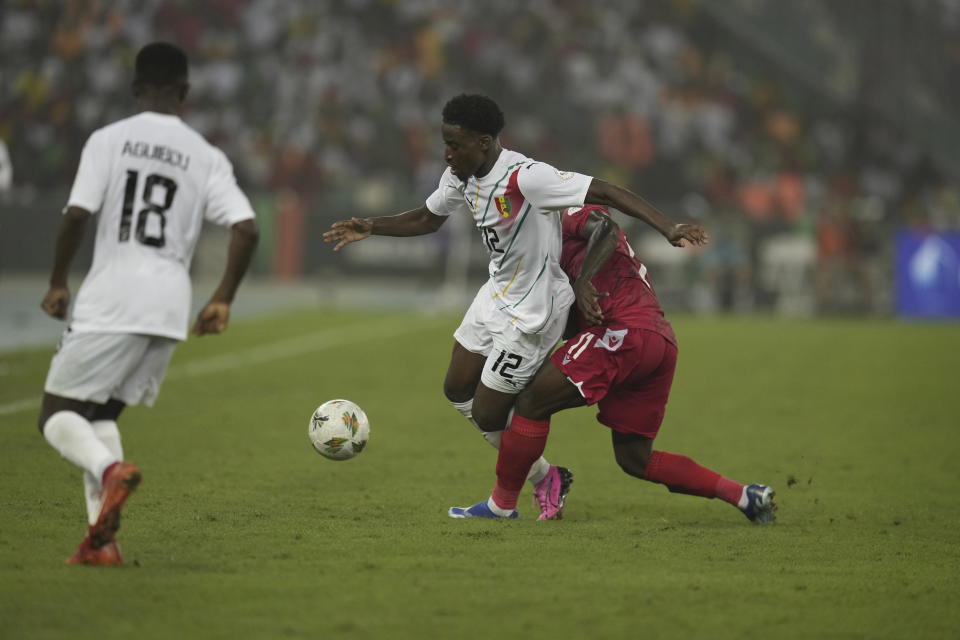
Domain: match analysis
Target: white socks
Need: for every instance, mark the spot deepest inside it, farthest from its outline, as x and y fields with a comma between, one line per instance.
x=539, y=469
x=76, y=439
x=503, y=513
x=109, y=435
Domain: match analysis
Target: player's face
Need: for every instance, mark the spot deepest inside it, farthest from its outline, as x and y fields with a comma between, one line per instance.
x=465, y=151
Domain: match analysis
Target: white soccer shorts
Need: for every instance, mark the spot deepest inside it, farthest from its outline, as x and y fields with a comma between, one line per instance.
x=513, y=357
x=95, y=367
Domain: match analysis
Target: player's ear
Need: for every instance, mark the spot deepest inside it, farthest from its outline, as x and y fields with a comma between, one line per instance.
x=485, y=142
x=184, y=90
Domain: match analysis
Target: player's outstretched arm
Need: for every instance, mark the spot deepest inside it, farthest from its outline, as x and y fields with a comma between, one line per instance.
x=416, y=222
x=70, y=234
x=215, y=315
x=611, y=195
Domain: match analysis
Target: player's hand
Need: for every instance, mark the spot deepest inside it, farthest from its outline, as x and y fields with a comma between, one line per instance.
x=588, y=301
x=56, y=302
x=213, y=318
x=343, y=232
x=683, y=235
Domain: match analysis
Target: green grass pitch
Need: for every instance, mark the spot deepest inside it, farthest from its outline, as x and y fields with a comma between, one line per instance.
x=240, y=530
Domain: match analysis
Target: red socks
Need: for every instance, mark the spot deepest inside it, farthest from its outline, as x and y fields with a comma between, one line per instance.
x=682, y=475
x=526, y=439
x=522, y=443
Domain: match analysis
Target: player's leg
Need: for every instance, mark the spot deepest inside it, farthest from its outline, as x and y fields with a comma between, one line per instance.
x=681, y=474
x=512, y=363
x=524, y=441
x=634, y=411
x=145, y=359
x=104, y=423
x=65, y=425
x=460, y=384
x=473, y=344
x=83, y=374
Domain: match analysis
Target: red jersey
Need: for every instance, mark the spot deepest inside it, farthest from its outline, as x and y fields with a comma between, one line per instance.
x=631, y=301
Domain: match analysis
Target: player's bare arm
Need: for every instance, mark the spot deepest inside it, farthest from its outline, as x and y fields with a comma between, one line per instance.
x=72, y=226
x=601, y=234
x=215, y=315
x=611, y=195
x=416, y=222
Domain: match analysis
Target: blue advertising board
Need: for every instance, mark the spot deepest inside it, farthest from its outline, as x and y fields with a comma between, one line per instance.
x=928, y=274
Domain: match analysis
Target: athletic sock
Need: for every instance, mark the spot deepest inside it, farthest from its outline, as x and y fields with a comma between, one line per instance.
x=539, y=469
x=680, y=474
x=108, y=433
x=496, y=509
x=520, y=447
x=74, y=438
x=91, y=496
x=466, y=409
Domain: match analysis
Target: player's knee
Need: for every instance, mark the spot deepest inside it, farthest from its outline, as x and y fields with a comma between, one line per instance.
x=109, y=411
x=528, y=406
x=489, y=420
x=633, y=460
x=632, y=467
x=48, y=407
x=459, y=389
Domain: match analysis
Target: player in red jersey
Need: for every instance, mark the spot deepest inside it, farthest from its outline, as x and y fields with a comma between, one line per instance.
x=622, y=358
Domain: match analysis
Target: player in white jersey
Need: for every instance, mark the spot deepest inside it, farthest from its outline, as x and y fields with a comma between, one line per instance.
x=153, y=181
x=519, y=314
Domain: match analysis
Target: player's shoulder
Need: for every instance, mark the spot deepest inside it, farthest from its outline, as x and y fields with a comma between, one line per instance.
x=513, y=158
x=448, y=180
x=111, y=130
x=536, y=172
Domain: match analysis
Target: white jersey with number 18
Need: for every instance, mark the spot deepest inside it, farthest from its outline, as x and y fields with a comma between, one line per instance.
x=152, y=180
x=515, y=208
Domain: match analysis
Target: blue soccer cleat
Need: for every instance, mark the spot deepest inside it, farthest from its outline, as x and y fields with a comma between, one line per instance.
x=479, y=510
x=760, y=505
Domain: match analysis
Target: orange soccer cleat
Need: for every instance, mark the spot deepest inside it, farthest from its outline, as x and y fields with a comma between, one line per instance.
x=119, y=480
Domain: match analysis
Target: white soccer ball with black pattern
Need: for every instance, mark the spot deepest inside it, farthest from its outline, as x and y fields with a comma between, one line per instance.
x=339, y=429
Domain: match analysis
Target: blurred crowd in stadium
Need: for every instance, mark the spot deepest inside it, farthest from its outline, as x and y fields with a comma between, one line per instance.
x=336, y=105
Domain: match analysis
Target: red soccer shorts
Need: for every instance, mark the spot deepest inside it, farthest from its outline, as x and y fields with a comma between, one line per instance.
x=626, y=372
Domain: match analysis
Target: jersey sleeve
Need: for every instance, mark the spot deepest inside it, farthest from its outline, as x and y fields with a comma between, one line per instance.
x=226, y=204
x=549, y=188
x=447, y=199
x=93, y=174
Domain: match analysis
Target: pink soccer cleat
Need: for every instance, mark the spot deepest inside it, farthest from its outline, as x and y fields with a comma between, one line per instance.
x=550, y=493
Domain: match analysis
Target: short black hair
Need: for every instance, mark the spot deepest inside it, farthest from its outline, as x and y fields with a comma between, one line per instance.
x=475, y=112
x=161, y=64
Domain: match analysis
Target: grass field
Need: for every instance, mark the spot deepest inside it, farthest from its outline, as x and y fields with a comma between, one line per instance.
x=241, y=531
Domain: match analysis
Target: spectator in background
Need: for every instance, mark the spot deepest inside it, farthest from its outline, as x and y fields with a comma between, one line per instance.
x=839, y=253
x=661, y=88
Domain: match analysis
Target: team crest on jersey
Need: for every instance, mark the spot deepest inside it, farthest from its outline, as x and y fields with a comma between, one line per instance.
x=612, y=340
x=503, y=205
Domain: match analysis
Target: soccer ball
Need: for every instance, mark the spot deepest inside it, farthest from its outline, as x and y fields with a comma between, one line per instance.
x=339, y=429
